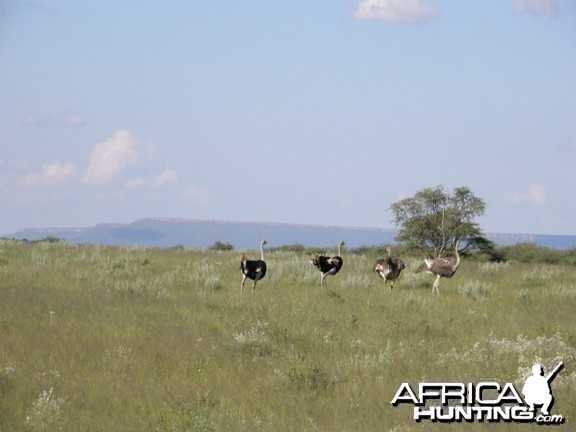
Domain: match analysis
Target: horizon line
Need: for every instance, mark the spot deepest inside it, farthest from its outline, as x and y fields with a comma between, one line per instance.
x=268, y=223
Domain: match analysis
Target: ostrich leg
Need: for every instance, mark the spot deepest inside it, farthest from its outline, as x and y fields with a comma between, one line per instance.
x=436, y=285
x=255, y=280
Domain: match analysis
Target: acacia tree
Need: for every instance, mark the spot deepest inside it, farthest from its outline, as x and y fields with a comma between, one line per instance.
x=435, y=219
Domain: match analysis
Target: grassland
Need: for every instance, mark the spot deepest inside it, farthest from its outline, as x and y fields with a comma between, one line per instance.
x=135, y=339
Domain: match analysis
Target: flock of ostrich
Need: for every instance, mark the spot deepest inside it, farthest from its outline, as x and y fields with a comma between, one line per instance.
x=387, y=268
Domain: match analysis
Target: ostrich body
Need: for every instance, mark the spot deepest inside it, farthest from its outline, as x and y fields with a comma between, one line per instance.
x=389, y=269
x=441, y=267
x=251, y=269
x=328, y=265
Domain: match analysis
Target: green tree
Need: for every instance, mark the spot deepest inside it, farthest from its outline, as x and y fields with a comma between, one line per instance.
x=433, y=219
x=221, y=246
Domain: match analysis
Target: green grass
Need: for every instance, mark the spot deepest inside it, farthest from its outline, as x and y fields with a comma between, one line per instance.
x=135, y=339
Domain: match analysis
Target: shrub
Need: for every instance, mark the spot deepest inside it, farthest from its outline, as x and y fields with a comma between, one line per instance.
x=539, y=275
x=206, y=277
x=297, y=248
x=52, y=239
x=154, y=288
x=493, y=267
x=533, y=253
x=221, y=246
x=522, y=352
x=255, y=340
x=474, y=289
x=567, y=292
x=355, y=281
x=45, y=412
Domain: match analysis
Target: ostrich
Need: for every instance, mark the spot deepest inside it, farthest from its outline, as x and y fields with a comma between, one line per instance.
x=327, y=265
x=254, y=270
x=389, y=269
x=441, y=267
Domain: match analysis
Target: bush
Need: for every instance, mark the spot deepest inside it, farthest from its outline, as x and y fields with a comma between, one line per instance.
x=296, y=248
x=52, y=239
x=493, y=267
x=221, y=246
x=533, y=253
x=206, y=277
x=474, y=289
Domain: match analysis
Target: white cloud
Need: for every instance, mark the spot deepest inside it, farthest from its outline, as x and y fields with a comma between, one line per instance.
x=135, y=183
x=167, y=176
x=110, y=157
x=51, y=174
x=73, y=119
x=36, y=120
x=395, y=10
x=17, y=164
x=543, y=8
x=537, y=195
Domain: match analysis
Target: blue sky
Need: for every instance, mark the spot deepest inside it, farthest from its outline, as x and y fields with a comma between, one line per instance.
x=301, y=111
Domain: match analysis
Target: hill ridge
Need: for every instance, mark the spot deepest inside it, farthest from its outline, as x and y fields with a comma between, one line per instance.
x=168, y=231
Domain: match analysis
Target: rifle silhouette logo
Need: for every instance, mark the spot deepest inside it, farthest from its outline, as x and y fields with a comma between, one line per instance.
x=537, y=390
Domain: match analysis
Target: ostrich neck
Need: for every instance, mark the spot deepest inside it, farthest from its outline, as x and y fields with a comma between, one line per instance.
x=457, y=263
x=262, y=251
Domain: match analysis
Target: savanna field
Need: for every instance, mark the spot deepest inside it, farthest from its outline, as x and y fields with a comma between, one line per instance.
x=96, y=338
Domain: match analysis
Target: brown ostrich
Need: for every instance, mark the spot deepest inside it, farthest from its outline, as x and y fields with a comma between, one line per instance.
x=389, y=269
x=441, y=267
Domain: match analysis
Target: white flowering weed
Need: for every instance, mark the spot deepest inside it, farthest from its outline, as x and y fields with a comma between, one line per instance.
x=45, y=412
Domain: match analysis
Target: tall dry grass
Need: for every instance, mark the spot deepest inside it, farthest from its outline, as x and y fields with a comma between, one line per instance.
x=96, y=338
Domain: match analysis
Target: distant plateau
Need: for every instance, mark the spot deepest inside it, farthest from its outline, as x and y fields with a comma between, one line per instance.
x=169, y=232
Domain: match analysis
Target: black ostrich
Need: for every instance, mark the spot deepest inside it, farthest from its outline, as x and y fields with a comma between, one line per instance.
x=251, y=269
x=327, y=265
x=389, y=269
